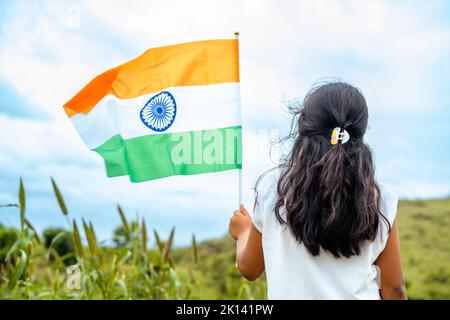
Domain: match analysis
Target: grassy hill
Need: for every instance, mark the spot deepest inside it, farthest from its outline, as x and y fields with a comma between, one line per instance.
x=425, y=246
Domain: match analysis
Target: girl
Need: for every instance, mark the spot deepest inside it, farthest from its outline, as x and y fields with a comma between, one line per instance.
x=322, y=227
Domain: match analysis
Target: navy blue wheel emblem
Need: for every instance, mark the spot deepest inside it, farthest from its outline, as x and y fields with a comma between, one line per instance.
x=159, y=112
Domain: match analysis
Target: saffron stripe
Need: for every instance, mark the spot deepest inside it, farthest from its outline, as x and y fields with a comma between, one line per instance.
x=187, y=64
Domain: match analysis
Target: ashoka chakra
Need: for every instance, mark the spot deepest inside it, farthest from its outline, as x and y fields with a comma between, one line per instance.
x=159, y=112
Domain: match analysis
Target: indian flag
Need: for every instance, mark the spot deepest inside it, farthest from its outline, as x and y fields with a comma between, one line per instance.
x=174, y=110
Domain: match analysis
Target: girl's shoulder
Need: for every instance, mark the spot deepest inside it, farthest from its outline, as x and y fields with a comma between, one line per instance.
x=389, y=201
x=265, y=195
x=266, y=184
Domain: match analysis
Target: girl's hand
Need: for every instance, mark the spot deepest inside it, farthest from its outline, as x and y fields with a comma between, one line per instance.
x=240, y=222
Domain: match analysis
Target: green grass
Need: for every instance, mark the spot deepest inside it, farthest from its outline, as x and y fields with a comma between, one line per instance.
x=425, y=247
x=32, y=269
x=216, y=271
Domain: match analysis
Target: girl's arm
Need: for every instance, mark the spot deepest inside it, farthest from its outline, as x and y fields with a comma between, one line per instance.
x=392, y=285
x=249, y=253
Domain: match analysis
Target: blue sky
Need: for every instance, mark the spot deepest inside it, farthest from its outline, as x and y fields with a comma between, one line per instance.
x=397, y=52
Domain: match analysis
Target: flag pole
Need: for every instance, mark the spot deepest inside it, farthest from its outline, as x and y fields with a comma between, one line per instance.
x=236, y=34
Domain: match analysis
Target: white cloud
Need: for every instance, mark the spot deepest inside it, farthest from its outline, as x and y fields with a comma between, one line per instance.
x=45, y=61
x=416, y=189
x=389, y=49
x=283, y=44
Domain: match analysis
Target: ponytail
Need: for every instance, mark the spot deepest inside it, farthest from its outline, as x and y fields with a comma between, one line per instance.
x=327, y=194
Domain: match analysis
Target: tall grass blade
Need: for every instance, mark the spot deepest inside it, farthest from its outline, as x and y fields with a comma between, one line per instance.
x=22, y=204
x=50, y=250
x=91, y=226
x=158, y=241
x=55, y=284
x=77, y=240
x=144, y=236
x=31, y=227
x=59, y=197
x=124, y=257
x=171, y=263
x=89, y=237
x=192, y=276
x=124, y=222
x=9, y=205
x=18, y=271
x=13, y=249
x=168, y=246
x=194, y=249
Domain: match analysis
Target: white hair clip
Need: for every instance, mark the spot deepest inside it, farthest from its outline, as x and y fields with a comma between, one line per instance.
x=338, y=135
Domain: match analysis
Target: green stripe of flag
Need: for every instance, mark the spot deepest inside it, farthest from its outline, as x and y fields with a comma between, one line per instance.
x=156, y=156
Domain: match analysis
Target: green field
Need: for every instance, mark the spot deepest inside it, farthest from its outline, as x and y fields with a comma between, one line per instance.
x=34, y=266
x=425, y=247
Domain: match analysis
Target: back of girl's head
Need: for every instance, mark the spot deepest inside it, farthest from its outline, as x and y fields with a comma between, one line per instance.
x=327, y=194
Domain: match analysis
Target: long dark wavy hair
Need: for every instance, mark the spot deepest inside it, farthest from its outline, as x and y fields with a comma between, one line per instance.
x=327, y=194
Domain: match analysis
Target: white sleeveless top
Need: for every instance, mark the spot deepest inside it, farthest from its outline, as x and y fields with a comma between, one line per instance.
x=293, y=273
